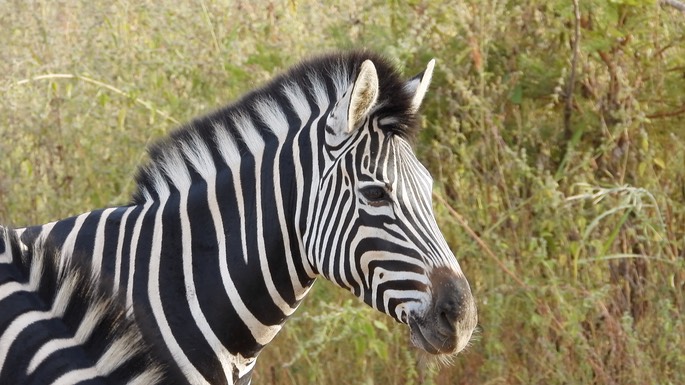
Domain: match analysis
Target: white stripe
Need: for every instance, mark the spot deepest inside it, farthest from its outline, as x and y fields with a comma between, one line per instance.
x=70, y=241
x=418, y=304
x=45, y=231
x=340, y=77
x=420, y=296
x=255, y=144
x=105, y=366
x=132, y=258
x=229, y=152
x=299, y=102
x=118, y=352
x=249, y=134
x=149, y=377
x=120, y=249
x=200, y=158
x=182, y=361
x=98, y=247
x=6, y=256
x=323, y=230
x=320, y=94
x=318, y=91
x=20, y=231
x=342, y=260
x=11, y=287
x=333, y=229
x=272, y=115
x=76, y=376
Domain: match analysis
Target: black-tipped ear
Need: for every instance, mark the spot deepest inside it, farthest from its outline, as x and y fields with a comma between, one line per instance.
x=418, y=85
x=364, y=94
x=357, y=101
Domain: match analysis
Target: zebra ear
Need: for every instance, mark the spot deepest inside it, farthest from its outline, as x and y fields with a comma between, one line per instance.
x=356, y=102
x=418, y=85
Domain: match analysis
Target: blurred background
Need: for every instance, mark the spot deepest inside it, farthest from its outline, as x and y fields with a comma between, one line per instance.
x=556, y=139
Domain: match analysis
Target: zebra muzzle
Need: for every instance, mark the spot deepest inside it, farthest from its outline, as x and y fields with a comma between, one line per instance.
x=448, y=324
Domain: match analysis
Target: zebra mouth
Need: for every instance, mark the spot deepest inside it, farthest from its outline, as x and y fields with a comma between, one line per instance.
x=432, y=342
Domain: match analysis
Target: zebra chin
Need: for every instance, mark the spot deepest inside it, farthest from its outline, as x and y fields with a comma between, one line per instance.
x=448, y=323
x=436, y=342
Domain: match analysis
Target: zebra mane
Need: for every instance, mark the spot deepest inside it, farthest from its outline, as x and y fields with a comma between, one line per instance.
x=329, y=76
x=95, y=320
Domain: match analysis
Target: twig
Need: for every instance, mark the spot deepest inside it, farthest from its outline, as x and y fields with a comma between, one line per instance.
x=211, y=27
x=480, y=242
x=106, y=86
x=667, y=114
x=568, y=108
x=679, y=5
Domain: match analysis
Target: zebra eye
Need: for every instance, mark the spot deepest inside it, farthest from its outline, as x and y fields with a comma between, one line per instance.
x=376, y=195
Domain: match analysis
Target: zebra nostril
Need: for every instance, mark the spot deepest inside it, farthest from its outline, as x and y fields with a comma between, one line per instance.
x=444, y=319
x=449, y=314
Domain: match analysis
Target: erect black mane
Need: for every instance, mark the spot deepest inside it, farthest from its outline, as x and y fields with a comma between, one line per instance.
x=394, y=100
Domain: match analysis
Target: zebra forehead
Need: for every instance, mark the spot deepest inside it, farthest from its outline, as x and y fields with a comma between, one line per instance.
x=387, y=153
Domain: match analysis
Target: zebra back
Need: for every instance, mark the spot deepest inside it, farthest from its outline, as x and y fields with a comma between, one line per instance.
x=58, y=326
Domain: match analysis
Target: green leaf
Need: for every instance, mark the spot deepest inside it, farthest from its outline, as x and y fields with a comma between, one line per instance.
x=380, y=325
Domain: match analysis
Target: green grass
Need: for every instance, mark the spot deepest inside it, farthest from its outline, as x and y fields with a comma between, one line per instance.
x=572, y=237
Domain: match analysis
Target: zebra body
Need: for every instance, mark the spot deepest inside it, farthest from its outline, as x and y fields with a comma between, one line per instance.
x=238, y=212
x=58, y=327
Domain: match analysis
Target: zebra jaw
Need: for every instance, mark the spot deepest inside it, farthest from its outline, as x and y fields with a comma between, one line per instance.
x=445, y=340
x=432, y=341
x=437, y=342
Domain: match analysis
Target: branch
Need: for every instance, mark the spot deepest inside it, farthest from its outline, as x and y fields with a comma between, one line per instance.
x=480, y=242
x=568, y=108
x=667, y=114
x=679, y=5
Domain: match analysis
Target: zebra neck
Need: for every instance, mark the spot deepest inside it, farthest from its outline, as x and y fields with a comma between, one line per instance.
x=209, y=259
x=225, y=278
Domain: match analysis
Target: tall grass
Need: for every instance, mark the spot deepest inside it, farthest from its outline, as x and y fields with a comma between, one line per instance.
x=572, y=233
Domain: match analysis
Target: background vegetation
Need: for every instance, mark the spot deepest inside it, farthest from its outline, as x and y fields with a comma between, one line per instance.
x=560, y=187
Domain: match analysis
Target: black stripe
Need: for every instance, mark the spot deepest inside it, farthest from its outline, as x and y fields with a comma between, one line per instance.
x=60, y=232
x=85, y=239
x=126, y=250
x=173, y=291
x=227, y=325
x=111, y=234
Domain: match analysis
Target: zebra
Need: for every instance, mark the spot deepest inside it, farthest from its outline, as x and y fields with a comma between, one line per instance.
x=233, y=218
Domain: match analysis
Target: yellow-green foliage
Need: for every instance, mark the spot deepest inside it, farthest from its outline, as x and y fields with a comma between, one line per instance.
x=572, y=235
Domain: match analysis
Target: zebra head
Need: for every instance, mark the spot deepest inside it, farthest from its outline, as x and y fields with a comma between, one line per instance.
x=374, y=231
